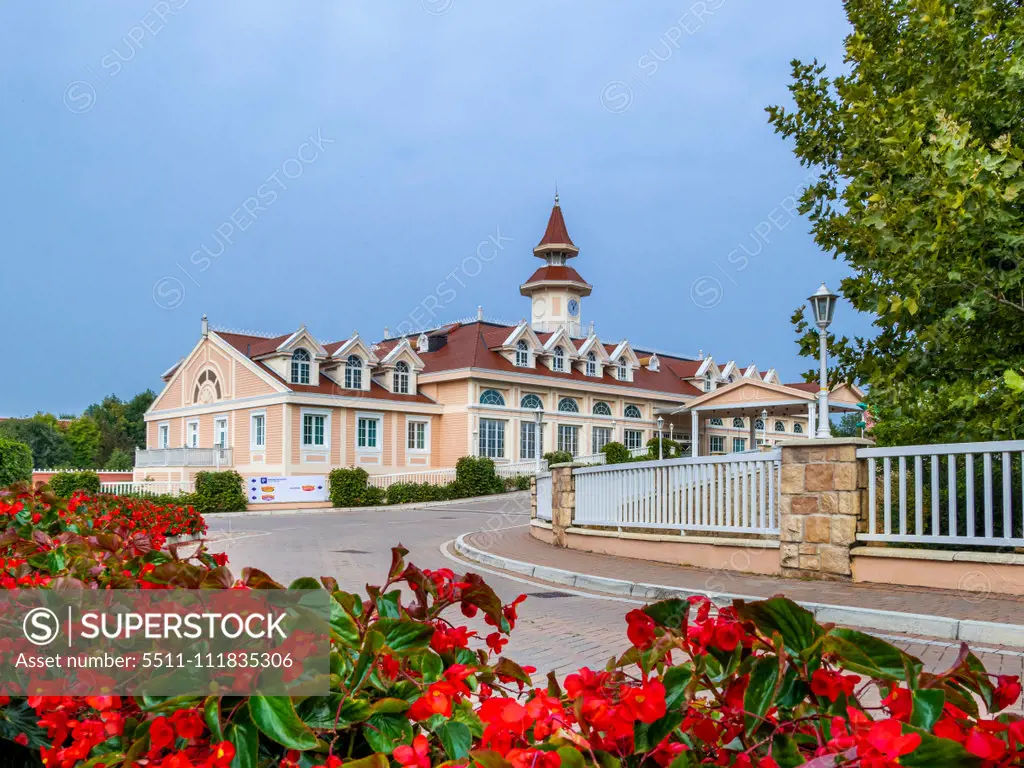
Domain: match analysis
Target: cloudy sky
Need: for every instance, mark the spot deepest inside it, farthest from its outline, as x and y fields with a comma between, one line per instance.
x=355, y=165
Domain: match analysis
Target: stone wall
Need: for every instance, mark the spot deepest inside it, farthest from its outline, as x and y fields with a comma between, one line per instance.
x=563, y=501
x=821, y=504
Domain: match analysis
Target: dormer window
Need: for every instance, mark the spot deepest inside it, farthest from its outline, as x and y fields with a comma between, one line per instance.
x=622, y=370
x=300, y=366
x=707, y=382
x=591, y=364
x=558, y=362
x=522, y=354
x=354, y=372
x=400, y=378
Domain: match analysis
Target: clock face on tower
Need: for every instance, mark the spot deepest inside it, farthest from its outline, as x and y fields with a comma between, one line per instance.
x=573, y=307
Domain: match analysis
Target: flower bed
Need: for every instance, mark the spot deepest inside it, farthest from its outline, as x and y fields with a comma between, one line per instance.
x=419, y=679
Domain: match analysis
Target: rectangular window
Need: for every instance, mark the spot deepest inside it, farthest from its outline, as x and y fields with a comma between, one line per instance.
x=634, y=438
x=220, y=433
x=258, y=430
x=527, y=440
x=717, y=444
x=163, y=436
x=192, y=436
x=313, y=431
x=568, y=439
x=492, y=438
x=367, y=432
x=602, y=436
x=739, y=444
x=417, y=435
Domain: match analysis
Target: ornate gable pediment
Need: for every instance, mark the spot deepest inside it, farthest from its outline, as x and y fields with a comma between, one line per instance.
x=522, y=332
x=561, y=338
x=593, y=344
x=302, y=338
x=355, y=346
x=624, y=351
x=403, y=351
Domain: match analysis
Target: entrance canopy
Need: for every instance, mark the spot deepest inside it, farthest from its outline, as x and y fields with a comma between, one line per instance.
x=751, y=398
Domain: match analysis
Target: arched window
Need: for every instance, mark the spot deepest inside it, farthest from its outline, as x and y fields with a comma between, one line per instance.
x=759, y=424
x=602, y=409
x=716, y=422
x=523, y=354
x=632, y=412
x=532, y=402
x=300, y=366
x=491, y=397
x=622, y=368
x=591, y=364
x=207, y=388
x=400, y=378
x=568, y=405
x=558, y=363
x=798, y=429
x=737, y=422
x=780, y=426
x=354, y=372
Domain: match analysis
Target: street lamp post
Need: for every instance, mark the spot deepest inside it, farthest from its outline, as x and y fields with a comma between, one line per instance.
x=823, y=302
x=538, y=419
x=661, y=424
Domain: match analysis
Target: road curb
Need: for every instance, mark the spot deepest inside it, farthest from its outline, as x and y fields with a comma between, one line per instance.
x=378, y=507
x=940, y=627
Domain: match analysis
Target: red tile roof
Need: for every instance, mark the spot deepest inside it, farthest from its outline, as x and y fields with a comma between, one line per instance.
x=804, y=386
x=556, y=233
x=556, y=273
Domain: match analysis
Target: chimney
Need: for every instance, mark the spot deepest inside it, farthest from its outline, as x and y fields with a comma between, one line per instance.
x=206, y=326
x=387, y=332
x=480, y=313
x=700, y=354
x=590, y=329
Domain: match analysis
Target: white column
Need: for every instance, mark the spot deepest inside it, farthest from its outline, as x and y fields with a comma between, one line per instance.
x=753, y=434
x=694, y=434
x=810, y=420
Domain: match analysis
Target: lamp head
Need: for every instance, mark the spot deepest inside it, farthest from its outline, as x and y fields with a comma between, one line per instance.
x=823, y=304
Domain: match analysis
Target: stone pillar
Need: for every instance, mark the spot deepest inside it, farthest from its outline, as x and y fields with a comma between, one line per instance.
x=533, y=497
x=821, y=502
x=563, y=501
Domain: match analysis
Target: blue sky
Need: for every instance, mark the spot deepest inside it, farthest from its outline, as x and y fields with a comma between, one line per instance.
x=339, y=161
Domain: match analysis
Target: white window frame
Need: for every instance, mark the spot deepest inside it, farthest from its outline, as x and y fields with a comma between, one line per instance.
x=163, y=434
x=217, y=421
x=522, y=354
x=558, y=360
x=528, y=438
x=628, y=436
x=192, y=429
x=409, y=422
x=379, y=418
x=595, y=444
x=798, y=428
x=591, y=366
x=575, y=405
x=301, y=369
x=353, y=376
x=718, y=440
x=639, y=410
x=255, y=444
x=492, y=449
x=401, y=378
x=314, y=447
x=606, y=407
x=564, y=430
x=622, y=370
x=739, y=444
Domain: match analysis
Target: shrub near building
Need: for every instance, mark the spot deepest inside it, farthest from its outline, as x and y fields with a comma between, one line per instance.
x=219, y=492
x=15, y=462
x=63, y=484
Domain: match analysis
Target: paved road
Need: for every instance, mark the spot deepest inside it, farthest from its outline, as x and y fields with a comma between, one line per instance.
x=557, y=630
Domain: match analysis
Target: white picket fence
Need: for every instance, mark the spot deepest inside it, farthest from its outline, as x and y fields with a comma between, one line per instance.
x=432, y=476
x=147, y=488
x=961, y=493
x=735, y=493
x=544, y=489
x=519, y=468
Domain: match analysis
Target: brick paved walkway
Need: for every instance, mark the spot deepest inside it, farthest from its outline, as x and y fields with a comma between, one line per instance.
x=517, y=544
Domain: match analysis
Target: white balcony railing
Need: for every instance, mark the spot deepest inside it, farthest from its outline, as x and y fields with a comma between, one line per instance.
x=183, y=457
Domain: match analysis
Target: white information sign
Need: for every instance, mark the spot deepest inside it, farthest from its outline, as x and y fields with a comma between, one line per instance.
x=266, y=489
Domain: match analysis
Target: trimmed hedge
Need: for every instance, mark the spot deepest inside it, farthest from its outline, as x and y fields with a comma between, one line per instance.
x=615, y=453
x=218, y=492
x=349, y=488
x=15, y=462
x=476, y=477
x=670, y=448
x=411, y=493
x=63, y=484
x=518, y=483
x=558, y=457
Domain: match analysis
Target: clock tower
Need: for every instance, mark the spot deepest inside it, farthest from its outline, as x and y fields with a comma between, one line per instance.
x=556, y=290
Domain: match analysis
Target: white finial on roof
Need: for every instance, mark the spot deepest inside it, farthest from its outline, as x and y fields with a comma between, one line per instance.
x=387, y=332
x=480, y=312
x=206, y=326
x=700, y=354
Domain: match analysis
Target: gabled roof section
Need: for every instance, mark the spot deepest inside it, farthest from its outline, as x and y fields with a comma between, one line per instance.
x=593, y=344
x=355, y=346
x=561, y=338
x=302, y=338
x=708, y=366
x=403, y=349
x=523, y=331
x=771, y=376
x=730, y=369
x=166, y=375
x=769, y=392
x=625, y=349
x=751, y=372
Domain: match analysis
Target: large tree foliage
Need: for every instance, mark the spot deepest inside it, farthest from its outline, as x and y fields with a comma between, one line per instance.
x=121, y=423
x=921, y=193
x=84, y=436
x=45, y=438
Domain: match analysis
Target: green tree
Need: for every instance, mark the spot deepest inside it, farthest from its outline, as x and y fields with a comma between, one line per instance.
x=134, y=412
x=44, y=437
x=120, y=460
x=847, y=425
x=84, y=436
x=921, y=192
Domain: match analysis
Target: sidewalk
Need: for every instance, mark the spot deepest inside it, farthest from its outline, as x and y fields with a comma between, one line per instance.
x=930, y=612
